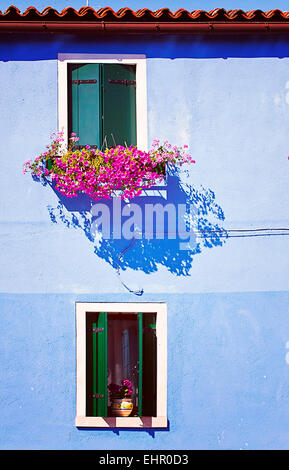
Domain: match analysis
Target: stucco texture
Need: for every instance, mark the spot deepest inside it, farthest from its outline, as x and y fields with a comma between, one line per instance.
x=227, y=297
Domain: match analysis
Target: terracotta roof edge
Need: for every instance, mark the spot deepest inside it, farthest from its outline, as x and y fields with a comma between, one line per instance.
x=162, y=14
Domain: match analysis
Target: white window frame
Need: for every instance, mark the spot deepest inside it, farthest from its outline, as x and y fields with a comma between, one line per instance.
x=159, y=421
x=141, y=88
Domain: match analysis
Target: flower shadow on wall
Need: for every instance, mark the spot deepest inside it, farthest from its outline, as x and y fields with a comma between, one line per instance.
x=150, y=232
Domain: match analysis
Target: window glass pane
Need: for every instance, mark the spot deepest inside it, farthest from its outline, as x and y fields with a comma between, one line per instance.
x=119, y=346
x=123, y=353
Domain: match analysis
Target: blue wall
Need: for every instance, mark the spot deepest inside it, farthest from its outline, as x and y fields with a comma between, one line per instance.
x=228, y=322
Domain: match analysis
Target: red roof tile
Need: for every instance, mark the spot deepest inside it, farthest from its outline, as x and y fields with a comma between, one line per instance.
x=126, y=14
x=143, y=20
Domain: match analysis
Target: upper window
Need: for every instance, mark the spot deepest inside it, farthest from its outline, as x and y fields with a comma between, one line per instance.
x=121, y=343
x=102, y=104
x=103, y=100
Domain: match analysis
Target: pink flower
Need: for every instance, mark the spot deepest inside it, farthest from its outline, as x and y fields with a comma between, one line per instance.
x=98, y=173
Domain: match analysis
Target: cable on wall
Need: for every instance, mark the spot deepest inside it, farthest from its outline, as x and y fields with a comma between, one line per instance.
x=243, y=233
x=136, y=292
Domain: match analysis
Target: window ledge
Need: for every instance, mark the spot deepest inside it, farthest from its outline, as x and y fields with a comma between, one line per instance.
x=121, y=422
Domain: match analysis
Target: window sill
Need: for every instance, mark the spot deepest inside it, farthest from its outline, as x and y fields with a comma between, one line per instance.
x=121, y=422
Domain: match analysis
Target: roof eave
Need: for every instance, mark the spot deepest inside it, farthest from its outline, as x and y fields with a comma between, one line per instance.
x=106, y=27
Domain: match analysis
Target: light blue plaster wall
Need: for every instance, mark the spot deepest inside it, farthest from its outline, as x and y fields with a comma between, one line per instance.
x=228, y=318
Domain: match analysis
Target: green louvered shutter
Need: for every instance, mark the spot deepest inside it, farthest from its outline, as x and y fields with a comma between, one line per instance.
x=149, y=365
x=99, y=332
x=96, y=364
x=140, y=363
x=119, y=105
x=84, y=98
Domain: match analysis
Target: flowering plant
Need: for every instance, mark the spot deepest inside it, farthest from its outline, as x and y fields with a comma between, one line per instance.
x=99, y=173
x=120, y=391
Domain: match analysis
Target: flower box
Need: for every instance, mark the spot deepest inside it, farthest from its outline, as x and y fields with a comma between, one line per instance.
x=99, y=174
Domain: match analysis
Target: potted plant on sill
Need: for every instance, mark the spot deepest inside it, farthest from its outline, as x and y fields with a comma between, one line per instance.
x=120, y=397
x=98, y=173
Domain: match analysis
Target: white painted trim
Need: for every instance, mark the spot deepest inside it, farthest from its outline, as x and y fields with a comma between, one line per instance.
x=160, y=308
x=134, y=422
x=141, y=89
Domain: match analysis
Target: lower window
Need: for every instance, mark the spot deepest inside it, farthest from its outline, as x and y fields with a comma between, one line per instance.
x=121, y=364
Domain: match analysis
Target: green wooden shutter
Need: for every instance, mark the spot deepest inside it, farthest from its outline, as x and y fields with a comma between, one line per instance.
x=84, y=86
x=119, y=105
x=140, y=362
x=149, y=365
x=99, y=365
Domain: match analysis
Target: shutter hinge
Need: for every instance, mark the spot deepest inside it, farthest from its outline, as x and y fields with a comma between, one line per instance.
x=123, y=82
x=79, y=147
x=97, y=330
x=80, y=82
